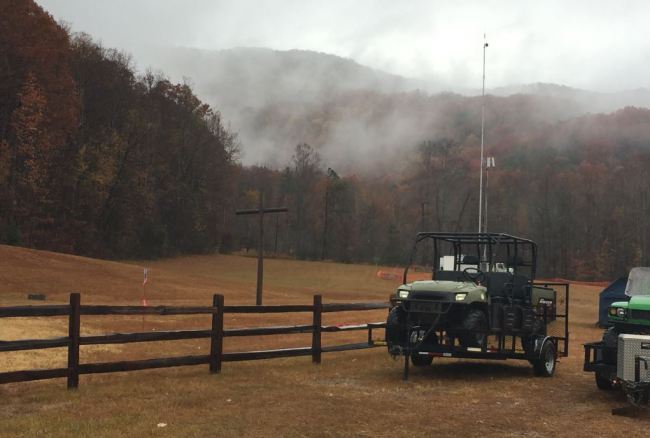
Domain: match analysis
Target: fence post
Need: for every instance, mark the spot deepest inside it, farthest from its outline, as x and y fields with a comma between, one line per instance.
x=316, y=330
x=216, y=337
x=74, y=327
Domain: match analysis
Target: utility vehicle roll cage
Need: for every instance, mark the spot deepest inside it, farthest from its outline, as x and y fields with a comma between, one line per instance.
x=488, y=248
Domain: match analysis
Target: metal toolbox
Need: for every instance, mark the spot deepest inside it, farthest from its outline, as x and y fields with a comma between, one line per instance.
x=629, y=347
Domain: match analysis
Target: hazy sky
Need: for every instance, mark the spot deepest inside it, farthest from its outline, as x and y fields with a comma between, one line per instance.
x=602, y=45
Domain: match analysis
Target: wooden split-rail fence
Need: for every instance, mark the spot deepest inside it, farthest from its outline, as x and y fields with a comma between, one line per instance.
x=216, y=334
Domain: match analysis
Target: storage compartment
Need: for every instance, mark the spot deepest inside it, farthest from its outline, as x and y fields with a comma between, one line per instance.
x=629, y=347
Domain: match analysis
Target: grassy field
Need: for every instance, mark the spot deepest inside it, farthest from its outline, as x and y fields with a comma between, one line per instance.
x=350, y=394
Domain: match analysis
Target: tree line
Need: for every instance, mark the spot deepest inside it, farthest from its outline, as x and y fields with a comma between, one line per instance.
x=98, y=160
x=579, y=188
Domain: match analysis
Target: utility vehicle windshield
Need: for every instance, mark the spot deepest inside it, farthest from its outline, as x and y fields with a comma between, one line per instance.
x=638, y=282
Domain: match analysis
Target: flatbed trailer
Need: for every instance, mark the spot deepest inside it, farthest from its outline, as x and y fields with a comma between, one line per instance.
x=507, y=342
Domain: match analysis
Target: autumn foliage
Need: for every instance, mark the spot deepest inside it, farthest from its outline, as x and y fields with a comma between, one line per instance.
x=96, y=159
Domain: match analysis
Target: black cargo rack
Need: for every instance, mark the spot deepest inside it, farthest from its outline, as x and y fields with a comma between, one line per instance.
x=483, y=245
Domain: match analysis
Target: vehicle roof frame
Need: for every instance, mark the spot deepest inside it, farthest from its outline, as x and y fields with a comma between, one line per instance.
x=481, y=240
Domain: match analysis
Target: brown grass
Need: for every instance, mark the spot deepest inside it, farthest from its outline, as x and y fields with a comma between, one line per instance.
x=350, y=394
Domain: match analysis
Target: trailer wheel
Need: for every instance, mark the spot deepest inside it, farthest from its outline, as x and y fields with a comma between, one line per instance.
x=475, y=326
x=420, y=360
x=544, y=365
x=603, y=382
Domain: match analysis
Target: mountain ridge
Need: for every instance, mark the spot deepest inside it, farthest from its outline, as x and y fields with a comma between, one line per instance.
x=276, y=99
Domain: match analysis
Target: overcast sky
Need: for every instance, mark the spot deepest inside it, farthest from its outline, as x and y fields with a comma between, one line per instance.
x=587, y=44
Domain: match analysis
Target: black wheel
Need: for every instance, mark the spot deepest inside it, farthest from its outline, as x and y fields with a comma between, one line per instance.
x=544, y=365
x=603, y=382
x=395, y=329
x=421, y=360
x=475, y=328
x=610, y=342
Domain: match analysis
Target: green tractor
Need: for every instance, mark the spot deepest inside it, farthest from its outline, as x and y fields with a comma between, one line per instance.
x=479, y=303
x=625, y=318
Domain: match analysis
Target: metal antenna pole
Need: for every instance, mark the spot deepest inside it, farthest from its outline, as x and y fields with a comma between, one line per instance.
x=489, y=162
x=487, y=188
x=480, y=190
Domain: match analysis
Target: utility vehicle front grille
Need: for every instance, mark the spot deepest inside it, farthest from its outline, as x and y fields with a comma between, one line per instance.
x=639, y=314
x=431, y=296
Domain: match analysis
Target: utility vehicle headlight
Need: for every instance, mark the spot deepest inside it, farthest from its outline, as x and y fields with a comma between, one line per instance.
x=403, y=293
x=612, y=311
x=460, y=297
x=620, y=312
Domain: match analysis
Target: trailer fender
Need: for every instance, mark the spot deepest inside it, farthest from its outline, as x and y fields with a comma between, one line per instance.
x=540, y=341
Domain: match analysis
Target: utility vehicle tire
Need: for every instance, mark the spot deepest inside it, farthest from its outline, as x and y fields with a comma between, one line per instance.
x=610, y=340
x=544, y=366
x=603, y=382
x=395, y=329
x=420, y=360
x=476, y=326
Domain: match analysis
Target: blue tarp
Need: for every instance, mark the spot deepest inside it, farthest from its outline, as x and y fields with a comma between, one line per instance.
x=613, y=292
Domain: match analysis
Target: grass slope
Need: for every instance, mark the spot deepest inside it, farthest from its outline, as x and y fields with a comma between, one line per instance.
x=350, y=394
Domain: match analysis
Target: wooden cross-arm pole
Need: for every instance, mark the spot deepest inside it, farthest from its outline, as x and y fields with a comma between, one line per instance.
x=260, y=246
x=266, y=210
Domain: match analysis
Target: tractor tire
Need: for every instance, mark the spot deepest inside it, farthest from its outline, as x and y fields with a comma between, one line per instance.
x=419, y=360
x=395, y=330
x=475, y=327
x=610, y=341
x=603, y=382
x=544, y=365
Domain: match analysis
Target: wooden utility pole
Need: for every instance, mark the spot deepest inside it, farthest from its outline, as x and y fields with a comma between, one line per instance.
x=260, y=245
x=331, y=175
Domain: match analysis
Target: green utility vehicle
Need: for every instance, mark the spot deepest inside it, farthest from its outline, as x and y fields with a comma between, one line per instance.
x=480, y=303
x=625, y=317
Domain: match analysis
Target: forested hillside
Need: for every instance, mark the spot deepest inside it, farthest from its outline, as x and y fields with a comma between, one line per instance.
x=580, y=188
x=98, y=159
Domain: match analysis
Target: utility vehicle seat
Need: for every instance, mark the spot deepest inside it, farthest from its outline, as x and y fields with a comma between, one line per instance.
x=503, y=284
x=450, y=276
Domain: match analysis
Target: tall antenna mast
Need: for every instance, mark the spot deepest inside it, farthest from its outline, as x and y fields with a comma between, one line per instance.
x=480, y=190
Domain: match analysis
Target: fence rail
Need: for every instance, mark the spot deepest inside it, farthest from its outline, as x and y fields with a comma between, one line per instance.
x=216, y=333
x=28, y=311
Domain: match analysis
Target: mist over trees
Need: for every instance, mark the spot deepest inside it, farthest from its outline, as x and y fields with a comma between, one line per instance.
x=98, y=160
x=579, y=188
